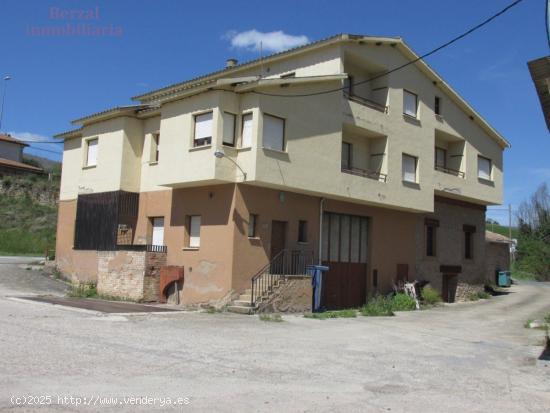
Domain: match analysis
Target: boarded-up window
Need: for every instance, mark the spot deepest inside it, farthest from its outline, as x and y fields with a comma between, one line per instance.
x=246, y=140
x=229, y=122
x=203, y=129
x=410, y=103
x=409, y=168
x=344, y=238
x=483, y=168
x=91, y=156
x=274, y=130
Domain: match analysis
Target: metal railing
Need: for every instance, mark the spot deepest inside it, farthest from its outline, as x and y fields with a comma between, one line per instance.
x=367, y=102
x=285, y=263
x=142, y=247
x=378, y=176
x=449, y=171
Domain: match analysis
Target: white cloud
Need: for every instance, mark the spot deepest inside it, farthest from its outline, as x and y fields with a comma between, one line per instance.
x=270, y=42
x=29, y=136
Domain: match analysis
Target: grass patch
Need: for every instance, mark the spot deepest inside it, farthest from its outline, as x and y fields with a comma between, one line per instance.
x=382, y=306
x=26, y=227
x=271, y=317
x=521, y=274
x=480, y=295
x=527, y=324
x=547, y=318
x=349, y=313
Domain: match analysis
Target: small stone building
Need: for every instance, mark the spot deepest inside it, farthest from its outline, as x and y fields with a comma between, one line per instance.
x=497, y=255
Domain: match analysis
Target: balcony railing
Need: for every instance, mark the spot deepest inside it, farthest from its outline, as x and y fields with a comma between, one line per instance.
x=450, y=171
x=378, y=176
x=367, y=102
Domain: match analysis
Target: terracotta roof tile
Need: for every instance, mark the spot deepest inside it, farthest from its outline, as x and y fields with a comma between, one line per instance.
x=18, y=165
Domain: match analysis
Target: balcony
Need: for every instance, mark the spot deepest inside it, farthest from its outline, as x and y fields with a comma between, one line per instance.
x=366, y=102
x=450, y=171
x=378, y=176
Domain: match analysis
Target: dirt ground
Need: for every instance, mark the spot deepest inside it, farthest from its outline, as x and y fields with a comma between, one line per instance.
x=471, y=357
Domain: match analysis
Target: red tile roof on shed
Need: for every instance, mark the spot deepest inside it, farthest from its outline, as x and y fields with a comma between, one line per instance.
x=18, y=165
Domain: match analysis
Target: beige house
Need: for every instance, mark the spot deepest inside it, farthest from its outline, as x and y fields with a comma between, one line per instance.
x=11, y=156
x=309, y=155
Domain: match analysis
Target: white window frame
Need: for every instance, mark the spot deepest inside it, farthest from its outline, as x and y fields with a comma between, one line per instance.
x=407, y=94
x=405, y=173
x=203, y=137
x=158, y=230
x=271, y=132
x=194, y=231
x=229, y=131
x=480, y=173
x=89, y=143
x=247, y=133
x=155, y=147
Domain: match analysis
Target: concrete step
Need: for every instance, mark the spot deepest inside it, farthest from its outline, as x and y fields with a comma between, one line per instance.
x=242, y=303
x=245, y=297
x=240, y=309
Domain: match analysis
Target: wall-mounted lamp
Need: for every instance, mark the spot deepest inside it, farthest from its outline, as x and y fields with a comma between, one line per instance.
x=219, y=153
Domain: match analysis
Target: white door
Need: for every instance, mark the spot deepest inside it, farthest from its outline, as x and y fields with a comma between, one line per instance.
x=158, y=231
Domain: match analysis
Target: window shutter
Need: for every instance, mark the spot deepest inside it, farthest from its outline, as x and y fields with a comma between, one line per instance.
x=195, y=231
x=203, y=126
x=484, y=168
x=228, y=129
x=92, y=153
x=410, y=103
x=409, y=168
x=273, y=133
x=247, y=131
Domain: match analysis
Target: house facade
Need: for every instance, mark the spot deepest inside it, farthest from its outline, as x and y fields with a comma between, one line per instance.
x=382, y=177
x=11, y=156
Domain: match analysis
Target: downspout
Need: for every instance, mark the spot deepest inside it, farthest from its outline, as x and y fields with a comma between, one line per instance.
x=321, y=206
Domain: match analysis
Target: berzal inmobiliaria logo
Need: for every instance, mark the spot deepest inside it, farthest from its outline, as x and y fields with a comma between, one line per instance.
x=75, y=22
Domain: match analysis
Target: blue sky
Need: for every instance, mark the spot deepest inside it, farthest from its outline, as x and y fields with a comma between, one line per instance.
x=150, y=44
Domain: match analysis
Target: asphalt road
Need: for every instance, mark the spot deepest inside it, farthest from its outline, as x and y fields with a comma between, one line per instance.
x=474, y=357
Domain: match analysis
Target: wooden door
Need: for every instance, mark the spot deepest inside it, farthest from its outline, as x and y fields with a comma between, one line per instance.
x=448, y=288
x=278, y=237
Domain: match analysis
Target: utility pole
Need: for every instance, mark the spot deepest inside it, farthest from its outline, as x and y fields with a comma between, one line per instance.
x=510, y=231
x=6, y=78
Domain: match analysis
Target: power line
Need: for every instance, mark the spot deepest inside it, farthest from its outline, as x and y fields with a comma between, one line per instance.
x=31, y=142
x=46, y=150
x=437, y=49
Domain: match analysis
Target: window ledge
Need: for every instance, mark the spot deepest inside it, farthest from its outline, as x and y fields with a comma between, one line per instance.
x=412, y=119
x=411, y=184
x=190, y=249
x=303, y=243
x=153, y=163
x=254, y=238
x=440, y=118
x=199, y=148
x=89, y=166
x=274, y=150
x=244, y=149
x=486, y=181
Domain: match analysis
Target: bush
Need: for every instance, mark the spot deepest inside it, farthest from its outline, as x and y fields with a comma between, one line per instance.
x=403, y=302
x=430, y=296
x=378, y=306
x=83, y=291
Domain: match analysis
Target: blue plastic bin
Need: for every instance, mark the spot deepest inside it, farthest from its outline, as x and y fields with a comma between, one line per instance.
x=504, y=279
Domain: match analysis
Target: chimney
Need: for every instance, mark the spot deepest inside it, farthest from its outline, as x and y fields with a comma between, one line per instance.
x=231, y=63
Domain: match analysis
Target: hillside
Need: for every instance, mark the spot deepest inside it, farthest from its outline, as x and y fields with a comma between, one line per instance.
x=28, y=214
x=502, y=230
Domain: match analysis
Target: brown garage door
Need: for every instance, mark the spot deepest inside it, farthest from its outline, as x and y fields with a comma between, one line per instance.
x=345, y=253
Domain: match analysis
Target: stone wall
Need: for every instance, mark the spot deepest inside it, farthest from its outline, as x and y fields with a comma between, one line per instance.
x=464, y=291
x=293, y=296
x=497, y=258
x=452, y=217
x=132, y=275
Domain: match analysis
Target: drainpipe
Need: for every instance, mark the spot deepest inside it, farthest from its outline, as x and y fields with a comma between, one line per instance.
x=321, y=205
